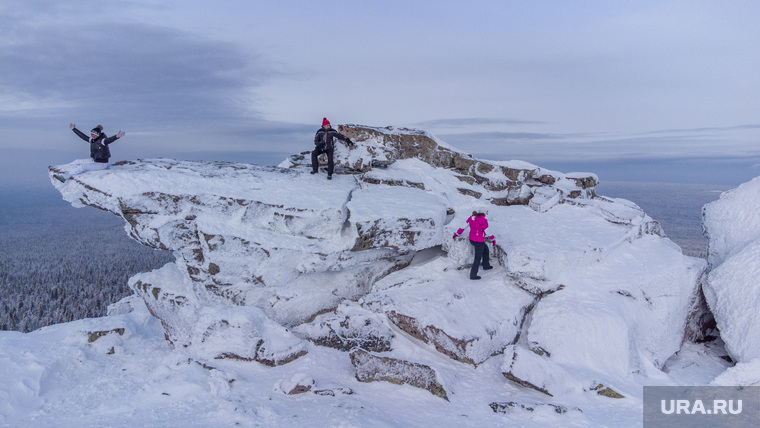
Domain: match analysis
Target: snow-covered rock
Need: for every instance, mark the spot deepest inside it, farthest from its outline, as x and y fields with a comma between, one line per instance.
x=511, y=407
x=732, y=289
x=618, y=314
x=349, y=326
x=299, y=383
x=372, y=368
x=466, y=320
x=537, y=371
x=270, y=258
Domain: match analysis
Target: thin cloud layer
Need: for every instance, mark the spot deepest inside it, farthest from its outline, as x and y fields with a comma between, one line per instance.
x=738, y=141
x=469, y=122
x=531, y=81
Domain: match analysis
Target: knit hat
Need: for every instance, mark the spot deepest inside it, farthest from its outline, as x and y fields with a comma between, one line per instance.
x=97, y=130
x=325, y=121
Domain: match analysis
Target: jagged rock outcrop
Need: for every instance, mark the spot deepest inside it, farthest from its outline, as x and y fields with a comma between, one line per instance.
x=270, y=258
x=500, y=183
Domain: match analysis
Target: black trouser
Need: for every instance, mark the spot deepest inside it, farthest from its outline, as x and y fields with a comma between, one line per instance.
x=481, y=254
x=315, y=161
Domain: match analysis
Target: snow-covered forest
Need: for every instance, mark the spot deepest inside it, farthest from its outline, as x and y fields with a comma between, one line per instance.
x=59, y=264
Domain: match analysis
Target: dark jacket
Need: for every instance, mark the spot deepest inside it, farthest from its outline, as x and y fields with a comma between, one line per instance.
x=99, y=151
x=325, y=137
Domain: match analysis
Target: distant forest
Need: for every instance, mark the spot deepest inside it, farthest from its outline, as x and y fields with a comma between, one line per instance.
x=59, y=263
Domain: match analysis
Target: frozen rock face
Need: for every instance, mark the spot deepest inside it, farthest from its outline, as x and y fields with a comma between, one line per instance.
x=732, y=226
x=269, y=259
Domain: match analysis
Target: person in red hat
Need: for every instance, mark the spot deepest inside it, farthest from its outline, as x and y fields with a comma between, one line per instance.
x=324, y=143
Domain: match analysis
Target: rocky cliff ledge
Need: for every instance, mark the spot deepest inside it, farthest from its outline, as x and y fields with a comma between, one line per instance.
x=272, y=259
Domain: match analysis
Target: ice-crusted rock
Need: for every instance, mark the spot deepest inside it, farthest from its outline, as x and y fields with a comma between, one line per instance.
x=372, y=368
x=214, y=330
x=732, y=222
x=374, y=211
x=269, y=257
x=243, y=235
x=508, y=407
x=732, y=226
x=349, y=326
x=616, y=314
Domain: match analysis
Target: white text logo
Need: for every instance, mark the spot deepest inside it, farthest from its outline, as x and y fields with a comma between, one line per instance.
x=697, y=407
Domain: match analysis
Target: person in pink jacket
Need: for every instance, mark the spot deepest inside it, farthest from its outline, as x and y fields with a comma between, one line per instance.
x=478, y=225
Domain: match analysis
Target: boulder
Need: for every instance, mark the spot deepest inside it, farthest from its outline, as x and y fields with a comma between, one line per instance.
x=620, y=316
x=732, y=227
x=214, y=331
x=435, y=303
x=372, y=368
x=349, y=326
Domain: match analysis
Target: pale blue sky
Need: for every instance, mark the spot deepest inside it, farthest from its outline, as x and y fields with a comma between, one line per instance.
x=552, y=82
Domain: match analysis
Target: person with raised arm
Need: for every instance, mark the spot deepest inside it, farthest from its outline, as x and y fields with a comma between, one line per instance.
x=323, y=143
x=99, y=151
x=478, y=224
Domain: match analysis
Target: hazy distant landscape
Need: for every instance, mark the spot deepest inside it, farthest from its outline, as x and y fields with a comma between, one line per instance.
x=677, y=206
x=58, y=263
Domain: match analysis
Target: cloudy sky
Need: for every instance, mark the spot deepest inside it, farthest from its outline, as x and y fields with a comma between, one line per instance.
x=669, y=88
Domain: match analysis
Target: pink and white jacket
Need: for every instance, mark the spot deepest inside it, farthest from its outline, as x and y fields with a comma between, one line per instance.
x=478, y=226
